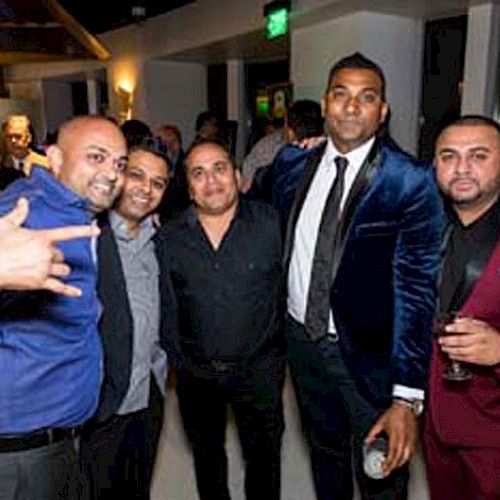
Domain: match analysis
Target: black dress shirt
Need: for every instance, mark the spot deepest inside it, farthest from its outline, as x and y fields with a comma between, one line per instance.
x=224, y=304
x=468, y=249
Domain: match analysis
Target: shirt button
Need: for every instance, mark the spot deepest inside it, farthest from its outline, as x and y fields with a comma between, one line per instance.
x=216, y=266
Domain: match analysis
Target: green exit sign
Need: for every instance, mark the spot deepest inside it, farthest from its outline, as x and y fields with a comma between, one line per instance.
x=276, y=14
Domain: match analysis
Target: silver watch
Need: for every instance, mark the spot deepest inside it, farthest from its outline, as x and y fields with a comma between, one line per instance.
x=415, y=405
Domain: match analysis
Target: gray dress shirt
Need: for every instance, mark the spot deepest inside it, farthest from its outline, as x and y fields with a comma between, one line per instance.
x=141, y=272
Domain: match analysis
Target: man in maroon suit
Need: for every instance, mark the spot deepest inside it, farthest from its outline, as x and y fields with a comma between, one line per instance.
x=462, y=432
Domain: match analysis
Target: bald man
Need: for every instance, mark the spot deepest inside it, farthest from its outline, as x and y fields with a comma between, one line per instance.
x=50, y=353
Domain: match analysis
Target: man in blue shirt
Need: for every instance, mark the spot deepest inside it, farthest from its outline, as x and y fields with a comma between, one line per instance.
x=50, y=354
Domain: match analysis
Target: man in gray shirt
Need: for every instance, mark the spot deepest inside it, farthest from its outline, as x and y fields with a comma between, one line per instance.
x=119, y=447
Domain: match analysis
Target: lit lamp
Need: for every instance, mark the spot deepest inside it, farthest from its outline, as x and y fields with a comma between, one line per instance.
x=276, y=14
x=125, y=104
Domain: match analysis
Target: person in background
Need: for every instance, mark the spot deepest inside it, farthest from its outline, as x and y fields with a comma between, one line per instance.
x=19, y=156
x=208, y=126
x=264, y=150
x=176, y=198
x=171, y=137
x=50, y=351
x=304, y=120
x=462, y=438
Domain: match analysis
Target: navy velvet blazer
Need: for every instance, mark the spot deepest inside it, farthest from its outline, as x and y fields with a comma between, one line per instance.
x=386, y=263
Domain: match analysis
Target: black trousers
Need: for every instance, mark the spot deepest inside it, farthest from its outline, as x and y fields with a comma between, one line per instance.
x=254, y=393
x=46, y=473
x=336, y=420
x=117, y=456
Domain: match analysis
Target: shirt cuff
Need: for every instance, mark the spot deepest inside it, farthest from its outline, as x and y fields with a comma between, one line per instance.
x=403, y=392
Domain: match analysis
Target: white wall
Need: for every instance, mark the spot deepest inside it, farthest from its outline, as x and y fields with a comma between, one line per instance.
x=482, y=60
x=57, y=103
x=176, y=93
x=315, y=48
x=395, y=42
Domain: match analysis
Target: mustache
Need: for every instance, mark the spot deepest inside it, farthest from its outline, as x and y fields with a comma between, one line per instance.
x=460, y=178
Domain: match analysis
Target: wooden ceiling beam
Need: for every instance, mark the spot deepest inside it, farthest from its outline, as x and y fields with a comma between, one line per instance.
x=88, y=40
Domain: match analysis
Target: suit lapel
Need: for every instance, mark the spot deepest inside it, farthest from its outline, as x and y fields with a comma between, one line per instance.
x=361, y=184
x=475, y=267
x=312, y=164
x=116, y=325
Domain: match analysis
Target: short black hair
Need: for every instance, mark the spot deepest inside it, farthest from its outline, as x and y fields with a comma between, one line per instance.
x=206, y=116
x=135, y=131
x=304, y=118
x=471, y=120
x=200, y=141
x=152, y=145
x=357, y=61
x=172, y=128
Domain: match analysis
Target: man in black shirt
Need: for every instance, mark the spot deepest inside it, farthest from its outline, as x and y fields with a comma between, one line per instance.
x=462, y=442
x=223, y=257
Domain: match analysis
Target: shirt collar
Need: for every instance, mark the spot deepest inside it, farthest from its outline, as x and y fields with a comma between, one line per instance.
x=356, y=157
x=147, y=228
x=242, y=212
x=58, y=190
x=490, y=216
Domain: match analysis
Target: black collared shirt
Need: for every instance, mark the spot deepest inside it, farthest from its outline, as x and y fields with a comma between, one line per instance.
x=468, y=248
x=226, y=303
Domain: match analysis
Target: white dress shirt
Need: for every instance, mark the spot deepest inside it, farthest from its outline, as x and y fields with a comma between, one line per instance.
x=306, y=234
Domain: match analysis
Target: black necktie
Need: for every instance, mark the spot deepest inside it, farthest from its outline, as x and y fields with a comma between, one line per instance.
x=318, y=298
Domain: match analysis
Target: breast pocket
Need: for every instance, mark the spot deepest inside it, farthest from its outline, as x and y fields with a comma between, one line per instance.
x=374, y=229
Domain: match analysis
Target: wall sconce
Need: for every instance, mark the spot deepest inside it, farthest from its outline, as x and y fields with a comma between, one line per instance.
x=125, y=104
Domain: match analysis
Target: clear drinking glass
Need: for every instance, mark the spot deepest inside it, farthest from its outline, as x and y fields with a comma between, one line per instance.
x=454, y=371
x=374, y=456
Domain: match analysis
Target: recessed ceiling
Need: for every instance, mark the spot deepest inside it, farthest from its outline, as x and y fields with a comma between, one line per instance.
x=98, y=16
x=34, y=30
x=51, y=30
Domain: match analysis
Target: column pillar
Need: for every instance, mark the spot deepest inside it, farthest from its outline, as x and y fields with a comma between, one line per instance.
x=236, y=103
x=481, y=71
x=92, y=97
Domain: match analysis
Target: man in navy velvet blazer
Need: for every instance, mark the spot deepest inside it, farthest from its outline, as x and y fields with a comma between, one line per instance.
x=362, y=372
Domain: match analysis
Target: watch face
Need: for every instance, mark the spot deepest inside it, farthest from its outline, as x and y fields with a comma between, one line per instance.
x=418, y=407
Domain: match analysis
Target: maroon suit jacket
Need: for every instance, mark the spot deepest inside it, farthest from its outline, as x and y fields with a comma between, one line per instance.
x=468, y=413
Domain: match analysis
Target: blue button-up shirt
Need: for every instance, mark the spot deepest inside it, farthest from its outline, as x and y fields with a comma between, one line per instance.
x=50, y=352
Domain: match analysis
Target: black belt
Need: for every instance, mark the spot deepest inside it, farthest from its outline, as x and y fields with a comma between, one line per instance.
x=37, y=439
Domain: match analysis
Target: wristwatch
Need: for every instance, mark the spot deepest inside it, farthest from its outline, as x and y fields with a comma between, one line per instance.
x=415, y=405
